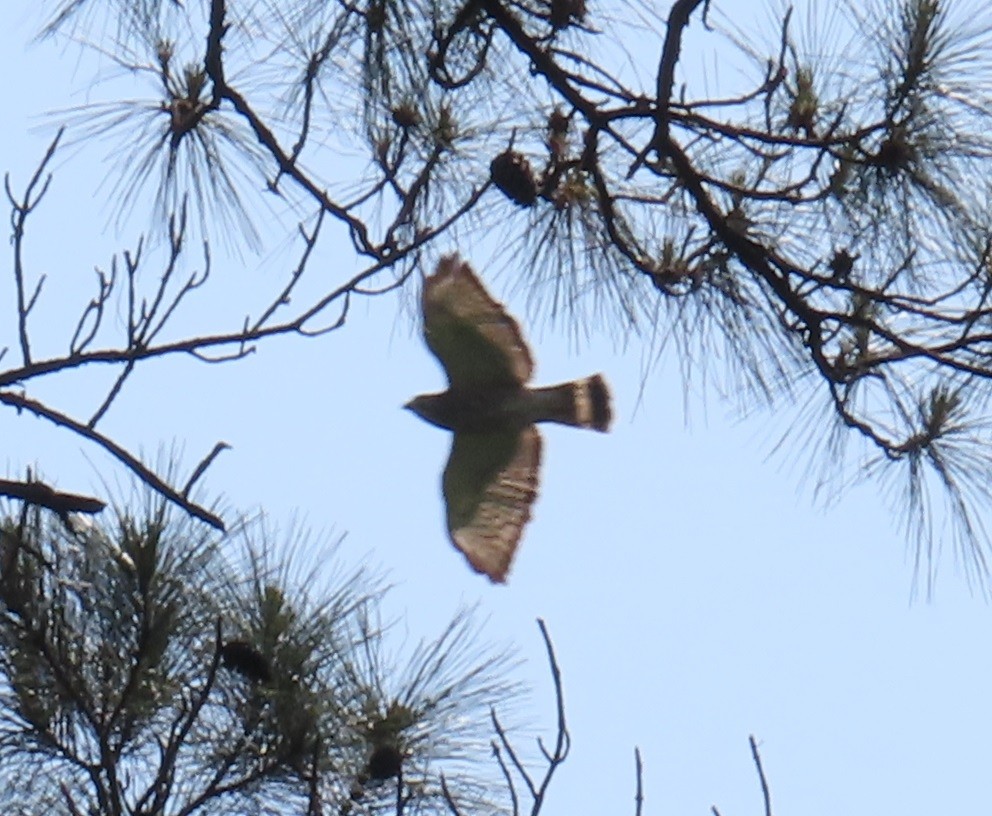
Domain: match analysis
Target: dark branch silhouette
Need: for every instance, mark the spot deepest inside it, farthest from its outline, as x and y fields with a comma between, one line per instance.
x=43, y=495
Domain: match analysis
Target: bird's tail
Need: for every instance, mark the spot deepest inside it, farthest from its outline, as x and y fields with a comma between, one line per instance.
x=582, y=403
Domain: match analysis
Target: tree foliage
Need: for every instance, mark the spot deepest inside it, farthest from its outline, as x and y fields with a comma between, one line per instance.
x=149, y=665
x=814, y=234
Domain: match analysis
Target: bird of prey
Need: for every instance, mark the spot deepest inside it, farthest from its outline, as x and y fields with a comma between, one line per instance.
x=491, y=477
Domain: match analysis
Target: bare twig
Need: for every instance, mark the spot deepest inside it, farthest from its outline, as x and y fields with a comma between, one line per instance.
x=22, y=208
x=201, y=468
x=112, y=394
x=504, y=742
x=287, y=166
x=639, y=794
x=554, y=757
x=283, y=298
x=213, y=60
x=93, y=313
x=158, y=791
x=70, y=802
x=449, y=800
x=766, y=794
x=115, y=450
x=508, y=776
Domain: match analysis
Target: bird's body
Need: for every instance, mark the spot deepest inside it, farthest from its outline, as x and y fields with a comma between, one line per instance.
x=581, y=403
x=490, y=480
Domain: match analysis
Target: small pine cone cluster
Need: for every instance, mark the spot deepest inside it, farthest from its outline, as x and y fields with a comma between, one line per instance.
x=385, y=762
x=242, y=657
x=557, y=134
x=564, y=13
x=510, y=171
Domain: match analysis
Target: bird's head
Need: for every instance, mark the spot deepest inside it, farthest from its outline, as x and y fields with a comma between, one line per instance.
x=430, y=407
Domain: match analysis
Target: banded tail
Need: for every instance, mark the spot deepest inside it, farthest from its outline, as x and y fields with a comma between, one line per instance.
x=582, y=403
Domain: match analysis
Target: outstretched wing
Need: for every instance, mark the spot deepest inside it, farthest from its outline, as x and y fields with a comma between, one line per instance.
x=477, y=342
x=489, y=485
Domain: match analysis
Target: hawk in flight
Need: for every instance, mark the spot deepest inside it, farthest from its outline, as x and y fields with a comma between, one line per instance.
x=490, y=480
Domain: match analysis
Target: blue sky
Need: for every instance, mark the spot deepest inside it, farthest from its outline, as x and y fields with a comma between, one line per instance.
x=694, y=594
